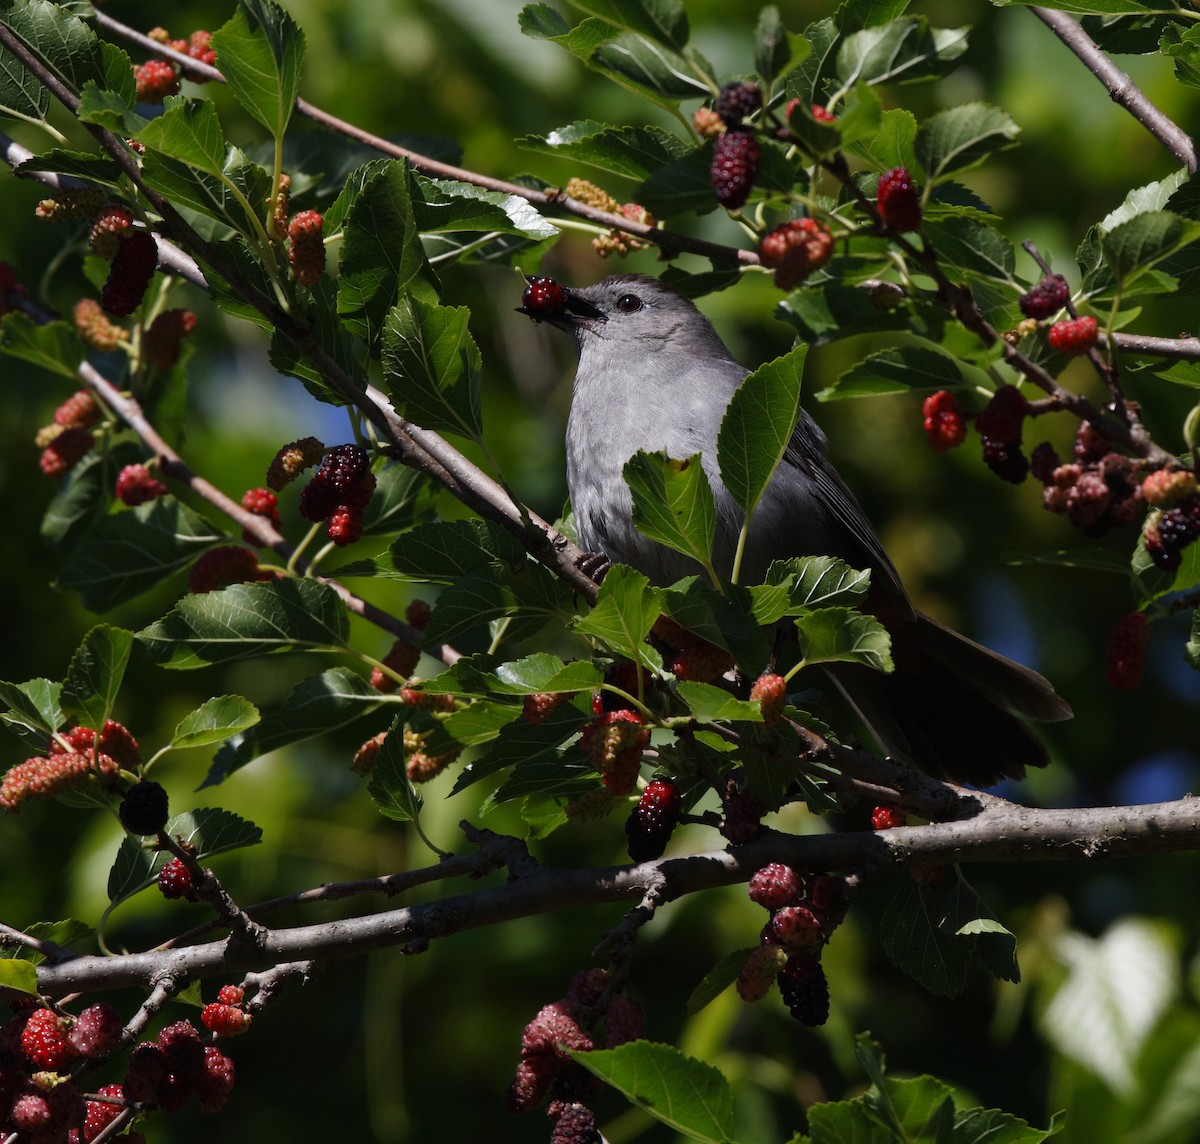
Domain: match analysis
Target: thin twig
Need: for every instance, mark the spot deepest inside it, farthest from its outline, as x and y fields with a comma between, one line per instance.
x=1121, y=88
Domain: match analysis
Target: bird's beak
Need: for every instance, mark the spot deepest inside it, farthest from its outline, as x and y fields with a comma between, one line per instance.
x=582, y=308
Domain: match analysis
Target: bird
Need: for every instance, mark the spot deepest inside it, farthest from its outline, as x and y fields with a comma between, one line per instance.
x=653, y=374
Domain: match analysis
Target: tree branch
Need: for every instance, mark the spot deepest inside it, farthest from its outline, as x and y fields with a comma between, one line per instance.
x=1000, y=832
x=1121, y=88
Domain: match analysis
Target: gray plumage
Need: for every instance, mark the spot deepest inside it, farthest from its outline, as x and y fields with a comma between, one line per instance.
x=653, y=374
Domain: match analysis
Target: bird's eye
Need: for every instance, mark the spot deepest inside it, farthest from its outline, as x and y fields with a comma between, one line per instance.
x=629, y=303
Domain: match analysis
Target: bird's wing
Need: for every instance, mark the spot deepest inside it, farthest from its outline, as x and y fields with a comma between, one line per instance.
x=849, y=535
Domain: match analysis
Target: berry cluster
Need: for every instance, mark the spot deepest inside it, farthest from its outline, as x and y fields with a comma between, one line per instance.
x=1168, y=532
x=95, y=328
x=1074, y=336
x=741, y=814
x=738, y=101
x=795, y=249
x=130, y=274
x=38, y=1101
x=945, y=422
x=543, y=298
x=1127, y=651
x=292, y=460
x=143, y=810
x=1000, y=424
x=736, y=158
x=402, y=659
x=804, y=912
x=769, y=691
x=110, y=224
x=219, y=567
x=572, y=1023
x=898, y=201
x=614, y=741
x=653, y=820
x=419, y=764
x=819, y=113
x=198, y=45
x=615, y=241
x=63, y=448
x=136, y=485
x=79, y=411
x=73, y=758
x=175, y=880
x=888, y=816
x=689, y=656
x=339, y=492
x=168, y=1072
x=418, y=613
x=1045, y=299
x=363, y=762
x=163, y=339
x=306, y=247
x=226, y=1016
x=281, y=206
x=707, y=122
x=536, y=708
x=155, y=79
x=1097, y=491
x=264, y=503
x=73, y=203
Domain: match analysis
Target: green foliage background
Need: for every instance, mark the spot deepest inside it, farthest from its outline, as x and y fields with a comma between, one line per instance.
x=394, y=1048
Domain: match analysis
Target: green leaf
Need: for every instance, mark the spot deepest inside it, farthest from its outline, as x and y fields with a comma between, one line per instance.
x=123, y=555
x=673, y=503
x=991, y=1126
x=900, y=370
x=442, y=206
x=717, y=980
x=382, y=257
x=55, y=346
x=893, y=143
x=842, y=635
x=711, y=703
x=661, y=21
x=973, y=247
x=758, y=425
x=962, y=137
x=431, y=366
x=109, y=109
x=225, y=196
x=321, y=704
x=260, y=52
x=905, y=50
x=1134, y=247
x=656, y=73
x=913, y=937
x=681, y=186
x=687, y=1094
x=724, y=620
x=32, y=710
x=820, y=581
x=543, y=674
x=247, y=620
x=215, y=719
x=444, y=551
x=403, y=498
x=18, y=974
x=208, y=831
x=69, y=931
x=625, y=610
x=522, y=742
x=776, y=50
x=626, y=152
x=98, y=169
x=190, y=132
x=393, y=794
x=527, y=596
x=94, y=677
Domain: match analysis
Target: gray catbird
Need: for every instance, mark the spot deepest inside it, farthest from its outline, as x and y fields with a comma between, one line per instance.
x=653, y=374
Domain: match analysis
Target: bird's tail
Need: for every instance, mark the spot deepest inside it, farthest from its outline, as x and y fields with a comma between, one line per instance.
x=952, y=707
